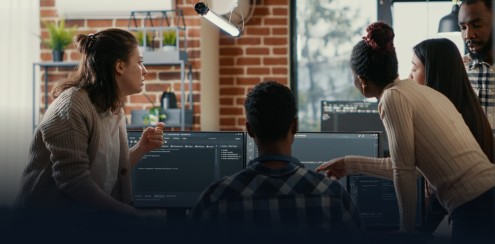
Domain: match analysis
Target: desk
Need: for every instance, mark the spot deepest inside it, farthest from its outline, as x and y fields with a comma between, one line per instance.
x=181, y=62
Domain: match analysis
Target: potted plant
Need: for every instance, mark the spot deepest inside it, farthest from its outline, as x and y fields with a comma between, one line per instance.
x=155, y=115
x=59, y=37
x=143, y=36
x=169, y=40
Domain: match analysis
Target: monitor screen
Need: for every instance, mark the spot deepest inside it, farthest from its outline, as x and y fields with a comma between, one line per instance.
x=352, y=116
x=375, y=197
x=314, y=148
x=377, y=201
x=174, y=175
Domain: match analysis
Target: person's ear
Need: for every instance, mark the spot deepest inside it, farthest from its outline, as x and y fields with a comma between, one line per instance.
x=249, y=130
x=119, y=67
x=295, y=125
x=362, y=81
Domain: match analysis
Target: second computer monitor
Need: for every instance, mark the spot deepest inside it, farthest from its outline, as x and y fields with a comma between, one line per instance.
x=375, y=198
x=352, y=116
x=315, y=148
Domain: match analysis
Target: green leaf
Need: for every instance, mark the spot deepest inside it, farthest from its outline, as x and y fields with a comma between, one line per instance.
x=169, y=37
x=140, y=37
x=59, y=37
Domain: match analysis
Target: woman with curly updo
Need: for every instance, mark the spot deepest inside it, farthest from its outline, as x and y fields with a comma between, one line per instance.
x=79, y=155
x=427, y=136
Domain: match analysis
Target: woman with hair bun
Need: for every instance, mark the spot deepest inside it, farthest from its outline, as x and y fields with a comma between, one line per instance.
x=427, y=136
x=79, y=155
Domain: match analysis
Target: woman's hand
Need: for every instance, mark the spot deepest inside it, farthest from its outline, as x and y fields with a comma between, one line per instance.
x=152, y=138
x=334, y=168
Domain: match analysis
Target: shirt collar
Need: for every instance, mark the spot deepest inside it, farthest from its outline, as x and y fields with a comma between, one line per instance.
x=474, y=62
x=293, y=164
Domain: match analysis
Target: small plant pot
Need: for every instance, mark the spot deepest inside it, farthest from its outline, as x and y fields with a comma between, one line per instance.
x=57, y=56
x=143, y=48
x=168, y=48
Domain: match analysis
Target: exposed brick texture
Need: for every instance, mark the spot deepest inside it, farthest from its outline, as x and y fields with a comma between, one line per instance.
x=255, y=57
x=260, y=53
x=47, y=3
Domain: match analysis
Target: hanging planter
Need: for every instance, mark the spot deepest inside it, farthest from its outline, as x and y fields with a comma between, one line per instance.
x=169, y=40
x=145, y=40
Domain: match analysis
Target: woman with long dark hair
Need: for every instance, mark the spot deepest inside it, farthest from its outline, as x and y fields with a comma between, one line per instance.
x=438, y=64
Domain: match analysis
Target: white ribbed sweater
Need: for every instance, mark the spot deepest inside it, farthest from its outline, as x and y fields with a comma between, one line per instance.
x=426, y=133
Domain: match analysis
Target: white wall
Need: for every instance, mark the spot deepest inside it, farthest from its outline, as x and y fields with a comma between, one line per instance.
x=209, y=78
x=19, y=48
x=415, y=22
x=94, y=9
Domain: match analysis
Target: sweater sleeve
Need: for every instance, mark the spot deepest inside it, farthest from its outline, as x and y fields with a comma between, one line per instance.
x=378, y=167
x=67, y=134
x=397, y=115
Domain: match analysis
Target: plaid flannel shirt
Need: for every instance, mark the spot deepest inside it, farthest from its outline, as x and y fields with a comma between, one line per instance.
x=482, y=77
x=260, y=197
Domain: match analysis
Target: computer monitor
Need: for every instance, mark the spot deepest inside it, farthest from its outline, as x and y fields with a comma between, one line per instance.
x=377, y=201
x=174, y=175
x=375, y=197
x=315, y=148
x=352, y=116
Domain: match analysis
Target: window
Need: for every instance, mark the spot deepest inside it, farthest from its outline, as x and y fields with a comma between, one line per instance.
x=326, y=32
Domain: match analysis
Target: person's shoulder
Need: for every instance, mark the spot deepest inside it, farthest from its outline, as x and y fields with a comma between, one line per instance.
x=72, y=105
x=228, y=184
x=73, y=97
x=68, y=112
x=401, y=88
x=406, y=82
x=391, y=90
x=63, y=103
x=407, y=91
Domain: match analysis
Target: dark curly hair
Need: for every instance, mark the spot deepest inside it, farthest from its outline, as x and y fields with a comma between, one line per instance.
x=270, y=109
x=96, y=72
x=374, y=57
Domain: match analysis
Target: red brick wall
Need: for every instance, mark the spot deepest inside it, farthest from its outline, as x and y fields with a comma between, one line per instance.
x=261, y=53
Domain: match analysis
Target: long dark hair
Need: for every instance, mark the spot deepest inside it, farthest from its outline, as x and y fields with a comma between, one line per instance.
x=374, y=57
x=445, y=72
x=96, y=70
